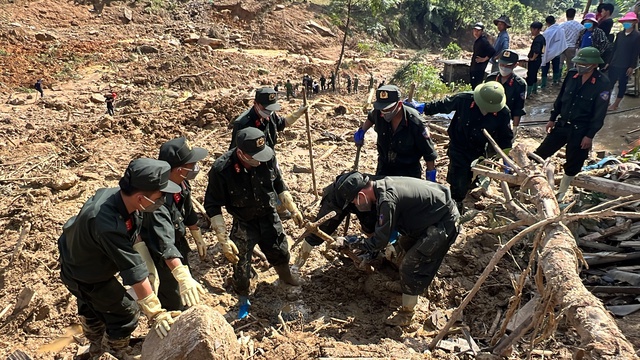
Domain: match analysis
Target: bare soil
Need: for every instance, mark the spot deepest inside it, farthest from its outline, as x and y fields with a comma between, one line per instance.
x=338, y=311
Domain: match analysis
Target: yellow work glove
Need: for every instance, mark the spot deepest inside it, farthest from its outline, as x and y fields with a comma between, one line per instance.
x=287, y=202
x=303, y=254
x=190, y=290
x=200, y=244
x=290, y=119
x=143, y=250
x=160, y=319
x=229, y=249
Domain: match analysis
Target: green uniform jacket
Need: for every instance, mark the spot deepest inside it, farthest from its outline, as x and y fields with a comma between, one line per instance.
x=465, y=130
x=162, y=228
x=410, y=206
x=515, y=89
x=269, y=128
x=245, y=193
x=583, y=105
x=98, y=242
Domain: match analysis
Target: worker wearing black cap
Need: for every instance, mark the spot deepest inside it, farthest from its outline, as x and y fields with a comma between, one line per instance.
x=164, y=230
x=535, y=57
x=262, y=115
x=247, y=182
x=483, y=51
x=424, y=214
x=98, y=243
x=403, y=137
x=515, y=87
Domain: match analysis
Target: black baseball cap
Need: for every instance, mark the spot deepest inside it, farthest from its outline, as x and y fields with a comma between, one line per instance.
x=508, y=57
x=478, y=26
x=253, y=142
x=178, y=152
x=148, y=175
x=268, y=98
x=347, y=187
x=536, y=25
x=385, y=96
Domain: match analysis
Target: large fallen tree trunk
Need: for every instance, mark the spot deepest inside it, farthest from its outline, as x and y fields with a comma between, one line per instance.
x=605, y=186
x=559, y=262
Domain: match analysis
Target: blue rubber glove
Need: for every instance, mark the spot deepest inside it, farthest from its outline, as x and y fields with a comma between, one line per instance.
x=358, y=137
x=414, y=104
x=431, y=175
x=394, y=236
x=507, y=168
x=243, y=307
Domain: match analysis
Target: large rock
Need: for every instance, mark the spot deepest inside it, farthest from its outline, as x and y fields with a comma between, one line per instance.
x=63, y=180
x=212, y=42
x=200, y=333
x=97, y=98
x=324, y=31
x=45, y=37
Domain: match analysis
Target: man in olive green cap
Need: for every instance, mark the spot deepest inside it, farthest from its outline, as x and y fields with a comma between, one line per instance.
x=98, y=243
x=483, y=108
x=577, y=114
x=164, y=230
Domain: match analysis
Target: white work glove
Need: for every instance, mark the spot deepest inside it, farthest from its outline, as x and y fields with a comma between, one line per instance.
x=287, y=202
x=290, y=119
x=303, y=254
x=159, y=319
x=143, y=250
x=190, y=290
x=229, y=248
x=515, y=130
x=200, y=244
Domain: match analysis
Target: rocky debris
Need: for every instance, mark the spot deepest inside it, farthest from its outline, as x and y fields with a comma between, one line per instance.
x=199, y=333
x=97, y=98
x=324, y=31
x=147, y=49
x=127, y=15
x=45, y=37
x=211, y=42
x=192, y=38
x=63, y=180
x=16, y=101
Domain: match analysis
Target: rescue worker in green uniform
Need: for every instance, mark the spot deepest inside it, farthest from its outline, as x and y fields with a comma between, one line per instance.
x=289, y=88
x=98, y=243
x=577, y=115
x=515, y=87
x=403, y=137
x=247, y=182
x=164, y=230
x=424, y=214
x=483, y=108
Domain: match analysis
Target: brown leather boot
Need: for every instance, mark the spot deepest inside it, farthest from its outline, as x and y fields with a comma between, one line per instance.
x=404, y=315
x=284, y=273
x=94, y=332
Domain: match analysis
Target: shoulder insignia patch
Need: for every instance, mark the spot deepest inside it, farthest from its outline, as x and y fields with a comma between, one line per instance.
x=237, y=167
x=129, y=224
x=605, y=95
x=593, y=80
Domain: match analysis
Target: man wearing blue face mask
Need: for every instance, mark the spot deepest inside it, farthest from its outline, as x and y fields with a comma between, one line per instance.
x=593, y=36
x=625, y=56
x=164, y=230
x=403, y=137
x=577, y=115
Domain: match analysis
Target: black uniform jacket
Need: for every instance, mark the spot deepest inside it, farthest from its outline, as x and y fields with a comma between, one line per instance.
x=251, y=118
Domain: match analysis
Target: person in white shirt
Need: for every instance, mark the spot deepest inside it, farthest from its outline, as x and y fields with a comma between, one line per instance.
x=571, y=29
x=556, y=45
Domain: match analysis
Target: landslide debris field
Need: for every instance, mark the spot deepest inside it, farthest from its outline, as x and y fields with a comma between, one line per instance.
x=190, y=71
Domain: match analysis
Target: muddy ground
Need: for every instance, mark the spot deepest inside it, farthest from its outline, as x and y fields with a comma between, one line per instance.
x=65, y=138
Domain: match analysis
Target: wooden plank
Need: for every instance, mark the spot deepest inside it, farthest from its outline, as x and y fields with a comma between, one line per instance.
x=608, y=258
x=596, y=236
x=524, y=314
x=633, y=231
x=635, y=244
x=635, y=290
x=623, y=310
x=597, y=246
x=625, y=276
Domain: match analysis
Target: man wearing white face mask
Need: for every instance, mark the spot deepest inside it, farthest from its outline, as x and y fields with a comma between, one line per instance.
x=422, y=212
x=403, y=137
x=164, y=230
x=515, y=87
x=262, y=115
x=577, y=115
x=247, y=182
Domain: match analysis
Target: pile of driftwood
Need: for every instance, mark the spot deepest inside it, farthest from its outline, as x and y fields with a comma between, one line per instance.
x=556, y=260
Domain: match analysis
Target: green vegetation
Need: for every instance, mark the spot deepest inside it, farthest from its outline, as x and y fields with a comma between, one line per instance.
x=429, y=86
x=4, y=52
x=452, y=51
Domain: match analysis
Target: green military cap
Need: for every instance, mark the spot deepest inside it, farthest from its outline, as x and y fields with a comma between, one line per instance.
x=178, y=152
x=253, y=142
x=490, y=96
x=588, y=55
x=268, y=98
x=347, y=187
x=386, y=96
x=148, y=175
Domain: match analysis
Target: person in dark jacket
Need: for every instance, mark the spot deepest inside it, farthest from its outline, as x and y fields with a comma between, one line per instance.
x=578, y=114
x=535, y=57
x=425, y=216
x=109, y=99
x=515, y=87
x=626, y=50
x=483, y=51
x=38, y=87
x=247, y=182
x=98, y=243
x=164, y=230
x=593, y=36
x=605, y=21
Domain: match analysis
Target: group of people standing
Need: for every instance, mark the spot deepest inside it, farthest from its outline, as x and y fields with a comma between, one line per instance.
x=558, y=43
